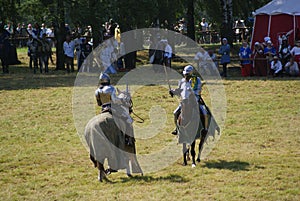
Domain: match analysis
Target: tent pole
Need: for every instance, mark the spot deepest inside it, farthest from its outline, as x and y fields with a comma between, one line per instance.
x=252, y=36
x=269, y=26
x=294, y=28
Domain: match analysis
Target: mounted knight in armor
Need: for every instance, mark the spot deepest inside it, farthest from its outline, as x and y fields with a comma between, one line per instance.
x=192, y=117
x=110, y=135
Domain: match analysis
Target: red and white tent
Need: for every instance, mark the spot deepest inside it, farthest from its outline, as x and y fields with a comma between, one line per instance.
x=276, y=19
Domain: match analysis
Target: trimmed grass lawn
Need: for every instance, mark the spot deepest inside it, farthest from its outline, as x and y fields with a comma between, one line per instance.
x=42, y=157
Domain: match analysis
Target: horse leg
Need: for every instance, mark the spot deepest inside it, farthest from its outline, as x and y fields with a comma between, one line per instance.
x=202, y=140
x=193, y=153
x=185, y=152
x=101, y=174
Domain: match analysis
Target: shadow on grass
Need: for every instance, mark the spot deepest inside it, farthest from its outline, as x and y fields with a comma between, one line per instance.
x=173, y=178
x=228, y=165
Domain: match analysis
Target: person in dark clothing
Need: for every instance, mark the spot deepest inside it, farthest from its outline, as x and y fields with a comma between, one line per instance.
x=4, y=48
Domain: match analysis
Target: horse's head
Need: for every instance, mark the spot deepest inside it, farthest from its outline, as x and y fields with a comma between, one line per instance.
x=125, y=97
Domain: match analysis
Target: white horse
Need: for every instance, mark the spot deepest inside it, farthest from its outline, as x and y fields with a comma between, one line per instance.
x=110, y=136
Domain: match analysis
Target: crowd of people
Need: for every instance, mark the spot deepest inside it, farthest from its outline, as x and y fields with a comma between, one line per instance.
x=41, y=39
x=263, y=60
x=266, y=59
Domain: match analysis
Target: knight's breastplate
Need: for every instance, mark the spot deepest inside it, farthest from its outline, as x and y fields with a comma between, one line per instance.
x=105, y=98
x=105, y=94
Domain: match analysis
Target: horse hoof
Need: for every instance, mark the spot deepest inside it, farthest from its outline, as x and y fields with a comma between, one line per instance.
x=101, y=176
x=184, y=164
x=129, y=175
x=193, y=165
x=198, y=160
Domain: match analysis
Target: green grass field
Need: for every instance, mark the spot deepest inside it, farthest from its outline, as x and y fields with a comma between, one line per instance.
x=42, y=157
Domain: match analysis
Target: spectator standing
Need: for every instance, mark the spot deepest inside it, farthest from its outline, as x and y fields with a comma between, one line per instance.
x=284, y=51
x=260, y=61
x=18, y=29
x=224, y=51
x=201, y=58
x=36, y=30
x=204, y=25
x=118, y=34
x=204, y=29
x=69, y=48
x=43, y=30
x=86, y=49
x=292, y=68
x=245, y=54
x=30, y=30
x=33, y=52
x=167, y=53
x=213, y=57
x=78, y=42
x=4, y=48
x=269, y=52
x=51, y=39
x=9, y=28
x=45, y=53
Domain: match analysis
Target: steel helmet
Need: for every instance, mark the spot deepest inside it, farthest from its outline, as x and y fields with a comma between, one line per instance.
x=104, y=78
x=188, y=70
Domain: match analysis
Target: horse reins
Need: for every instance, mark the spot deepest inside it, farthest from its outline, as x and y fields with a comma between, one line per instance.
x=141, y=119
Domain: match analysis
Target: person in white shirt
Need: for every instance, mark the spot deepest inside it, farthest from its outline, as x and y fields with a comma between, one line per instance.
x=204, y=25
x=276, y=67
x=78, y=43
x=202, y=59
x=167, y=53
x=204, y=28
x=69, y=48
x=295, y=51
x=43, y=30
x=292, y=68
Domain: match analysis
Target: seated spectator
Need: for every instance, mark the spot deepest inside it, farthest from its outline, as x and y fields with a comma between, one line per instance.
x=245, y=54
x=292, y=68
x=296, y=52
x=276, y=67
